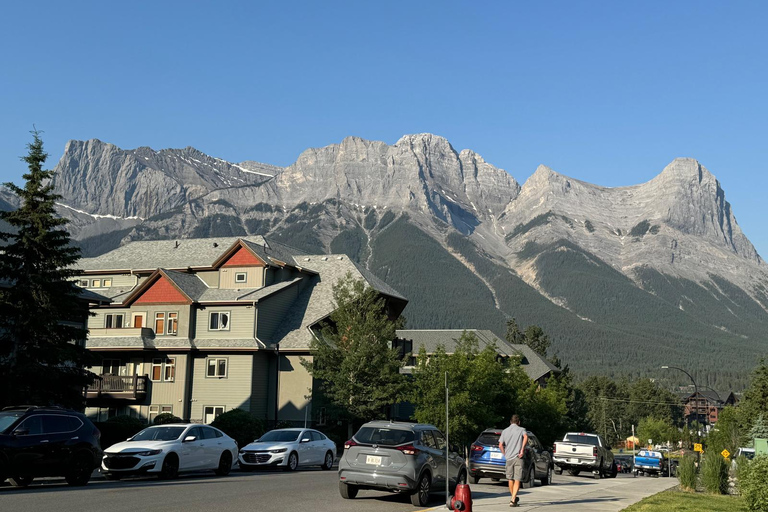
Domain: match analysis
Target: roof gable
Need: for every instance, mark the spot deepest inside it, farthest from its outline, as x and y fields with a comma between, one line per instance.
x=159, y=289
x=239, y=255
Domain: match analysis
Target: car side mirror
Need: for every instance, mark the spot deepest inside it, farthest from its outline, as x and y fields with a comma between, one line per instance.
x=189, y=439
x=21, y=432
x=305, y=440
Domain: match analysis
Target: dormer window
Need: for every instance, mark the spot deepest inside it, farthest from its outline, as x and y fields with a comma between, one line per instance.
x=241, y=277
x=218, y=321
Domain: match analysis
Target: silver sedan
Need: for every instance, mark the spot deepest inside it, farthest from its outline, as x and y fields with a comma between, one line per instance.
x=289, y=448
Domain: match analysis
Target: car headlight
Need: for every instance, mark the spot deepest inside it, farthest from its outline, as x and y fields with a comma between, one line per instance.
x=148, y=453
x=281, y=450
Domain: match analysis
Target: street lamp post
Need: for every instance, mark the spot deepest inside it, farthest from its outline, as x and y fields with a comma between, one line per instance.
x=695, y=388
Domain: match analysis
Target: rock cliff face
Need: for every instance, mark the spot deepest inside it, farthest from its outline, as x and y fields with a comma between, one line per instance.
x=677, y=228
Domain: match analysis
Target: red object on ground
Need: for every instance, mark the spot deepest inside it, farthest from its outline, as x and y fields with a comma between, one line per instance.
x=462, y=499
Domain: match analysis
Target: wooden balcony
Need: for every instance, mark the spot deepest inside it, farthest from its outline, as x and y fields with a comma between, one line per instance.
x=127, y=332
x=118, y=387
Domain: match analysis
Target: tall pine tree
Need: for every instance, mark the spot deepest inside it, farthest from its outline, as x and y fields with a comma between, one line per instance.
x=41, y=317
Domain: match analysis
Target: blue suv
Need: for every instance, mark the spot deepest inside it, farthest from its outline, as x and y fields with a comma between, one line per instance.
x=487, y=461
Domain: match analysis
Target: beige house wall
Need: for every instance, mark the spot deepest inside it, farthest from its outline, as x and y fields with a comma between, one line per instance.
x=295, y=385
x=254, y=277
x=232, y=391
x=242, y=320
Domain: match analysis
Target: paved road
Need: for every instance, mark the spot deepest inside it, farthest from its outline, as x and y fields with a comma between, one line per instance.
x=309, y=490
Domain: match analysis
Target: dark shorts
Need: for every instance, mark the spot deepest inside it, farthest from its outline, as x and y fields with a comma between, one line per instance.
x=514, y=469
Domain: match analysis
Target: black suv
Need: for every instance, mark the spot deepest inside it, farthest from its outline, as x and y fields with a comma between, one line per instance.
x=47, y=441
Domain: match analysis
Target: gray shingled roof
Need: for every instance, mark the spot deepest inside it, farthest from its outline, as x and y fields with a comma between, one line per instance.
x=532, y=363
x=316, y=301
x=190, y=284
x=274, y=250
x=153, y=254
x=244, y=294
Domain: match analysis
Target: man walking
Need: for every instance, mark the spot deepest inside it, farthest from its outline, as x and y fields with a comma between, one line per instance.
x=512, y=444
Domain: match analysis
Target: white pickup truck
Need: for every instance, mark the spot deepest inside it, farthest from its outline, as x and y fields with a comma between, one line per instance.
x=584, y=452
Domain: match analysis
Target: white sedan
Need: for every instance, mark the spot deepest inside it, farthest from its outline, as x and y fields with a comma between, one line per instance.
x=165, y=450
x=289, y=448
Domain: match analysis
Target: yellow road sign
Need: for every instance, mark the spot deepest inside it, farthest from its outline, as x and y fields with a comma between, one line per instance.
x=697, y=447
x=725, y=454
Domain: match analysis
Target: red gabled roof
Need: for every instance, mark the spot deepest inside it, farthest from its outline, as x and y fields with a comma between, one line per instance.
x=158, y=289
x=239, y=255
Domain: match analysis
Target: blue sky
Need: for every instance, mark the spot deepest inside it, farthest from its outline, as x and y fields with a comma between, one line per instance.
x=606, y=92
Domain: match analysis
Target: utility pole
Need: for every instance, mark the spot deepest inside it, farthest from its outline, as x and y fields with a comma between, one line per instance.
x=447, y=444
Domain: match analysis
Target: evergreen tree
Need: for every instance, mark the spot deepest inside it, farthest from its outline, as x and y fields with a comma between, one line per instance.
x=758, y=431
x=537, y=340
x=41, y=318
x=514, y=334
x=755, y=401
x=353, y=362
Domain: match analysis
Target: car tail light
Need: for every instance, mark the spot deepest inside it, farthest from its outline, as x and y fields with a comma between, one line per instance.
x=408, y=449
x=349, y=444
x=594, y=451
x=476, y=448
x=554, y=448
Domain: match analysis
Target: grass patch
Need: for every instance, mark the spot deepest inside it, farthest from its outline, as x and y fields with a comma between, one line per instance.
x=679, y=501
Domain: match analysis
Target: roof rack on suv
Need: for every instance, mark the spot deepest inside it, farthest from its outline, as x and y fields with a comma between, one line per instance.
x=31, y=407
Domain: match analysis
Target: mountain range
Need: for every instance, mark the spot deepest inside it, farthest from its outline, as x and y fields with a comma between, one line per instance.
x=622, y=279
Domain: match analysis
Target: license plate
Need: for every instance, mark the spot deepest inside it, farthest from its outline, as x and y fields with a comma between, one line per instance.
x=373, y=460
x=497, y=455
x=573, y=461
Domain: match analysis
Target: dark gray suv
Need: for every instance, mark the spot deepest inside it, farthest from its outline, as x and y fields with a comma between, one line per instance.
x=399, y=457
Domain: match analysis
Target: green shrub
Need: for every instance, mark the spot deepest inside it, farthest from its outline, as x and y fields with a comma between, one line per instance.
x=686, y=473
x=714, y=474
x=240, y=425
x=118, y=429
x=166, y=418
x=752, y=483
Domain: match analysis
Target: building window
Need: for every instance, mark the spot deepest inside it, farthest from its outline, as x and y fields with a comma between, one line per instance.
x=218, y=321
x=163, y=369
x=96, y=283
x=211, y=412
x=216, y=367
x=241, y=277
x=166, y=323
x=106, y=283
x=154, y=410
x=114, y=320
x=112, y=367
x=84, y=283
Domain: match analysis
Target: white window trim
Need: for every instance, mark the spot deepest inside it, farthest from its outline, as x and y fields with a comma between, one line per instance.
x=166, y=323
x=229, y=320
x=217, y=359
x=214, y=407
x=114, y=316
x=244, y=276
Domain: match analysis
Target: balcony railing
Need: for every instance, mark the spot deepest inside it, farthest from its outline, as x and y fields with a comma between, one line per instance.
x=143, y=332
x=119, y=387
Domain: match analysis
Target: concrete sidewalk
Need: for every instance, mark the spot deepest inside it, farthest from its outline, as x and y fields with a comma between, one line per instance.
x=570, y=494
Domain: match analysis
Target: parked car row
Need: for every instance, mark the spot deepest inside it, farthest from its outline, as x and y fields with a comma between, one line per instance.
x=54, y=442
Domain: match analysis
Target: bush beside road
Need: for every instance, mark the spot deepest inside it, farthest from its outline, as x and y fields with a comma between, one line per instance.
x=681, y=501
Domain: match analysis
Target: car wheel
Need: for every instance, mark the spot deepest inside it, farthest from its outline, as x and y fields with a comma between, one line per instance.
x=293, y=462
x=614, y=471
x=530, y=481
x=548, y=478
x=21, y=481
x=225, y=464
x=474, y=479
x=348, y=492
x=170, y=469
x=80, y=474
x=558, y=470
x=574, y=472
x=328, y=462
x=420, y=498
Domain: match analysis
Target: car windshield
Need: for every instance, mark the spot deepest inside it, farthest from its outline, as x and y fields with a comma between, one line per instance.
x=489, y=439
x=7, y=418
x=280, y=436
x=159, y=434
x=575, y=438
x=749, y=455
x=384, y=436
